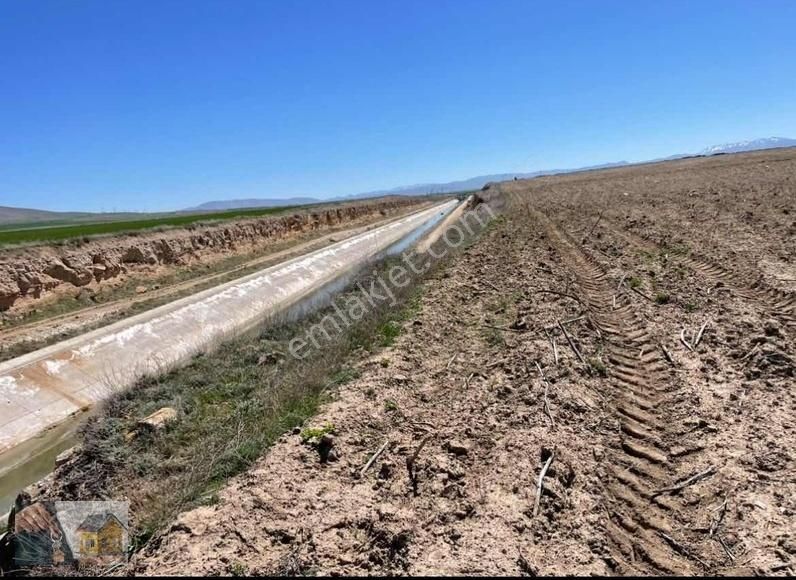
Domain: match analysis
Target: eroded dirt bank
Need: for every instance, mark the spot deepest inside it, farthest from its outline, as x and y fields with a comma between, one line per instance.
x=31, y=275
x=662, y=403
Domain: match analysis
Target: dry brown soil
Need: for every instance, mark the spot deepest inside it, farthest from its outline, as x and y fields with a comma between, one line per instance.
x=666, y=456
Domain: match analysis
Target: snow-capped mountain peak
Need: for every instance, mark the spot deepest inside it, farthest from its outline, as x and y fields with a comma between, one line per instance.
x=753, y=145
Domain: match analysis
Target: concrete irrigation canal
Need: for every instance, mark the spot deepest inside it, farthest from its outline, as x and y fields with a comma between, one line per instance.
x=43, y=390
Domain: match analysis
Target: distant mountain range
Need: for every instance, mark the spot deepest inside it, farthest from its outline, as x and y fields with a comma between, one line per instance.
x=481, y=180
x=23, y=215
x=239, y=203
x=754, y=145
x=472, y=183
x=11, y=215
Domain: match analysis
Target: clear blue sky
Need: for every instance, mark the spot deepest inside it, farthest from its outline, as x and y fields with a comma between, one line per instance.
x=144, y=105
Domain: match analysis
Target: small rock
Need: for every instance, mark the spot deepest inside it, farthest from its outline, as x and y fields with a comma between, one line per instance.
x=451, y=491
x=85, y=295
x=454, y=473
x=458, y=448
x=65, y=456
x=787, y=543
x=386, y=511
x=401, y=378
x=158, y=420
x=386, y=470
x=771, y=328
x=270, y=358
x=345, y=559
x=325, y=447
x=140, y=289
x=296, y=430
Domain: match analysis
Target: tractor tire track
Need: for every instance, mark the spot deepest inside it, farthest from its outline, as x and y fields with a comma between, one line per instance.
x=778, y=303
x=640, y=523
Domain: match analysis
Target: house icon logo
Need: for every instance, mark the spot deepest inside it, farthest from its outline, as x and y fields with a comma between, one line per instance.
x=55, y=533
x=101, y=535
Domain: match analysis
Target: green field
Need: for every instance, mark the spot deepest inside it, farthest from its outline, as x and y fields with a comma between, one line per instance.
x=54, y=232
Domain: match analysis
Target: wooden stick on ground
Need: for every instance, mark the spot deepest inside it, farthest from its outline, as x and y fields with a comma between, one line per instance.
x=539, y=484
x=546, y=389
x=450, y=362
x=640, y=293
x=684, y=341
x=524, y=565
x=555, y=348
x=488, y=283
x=699, y=334
x=374, y=457
x=751, y=352
x=636, y=290
x=714, y=525
x=726, y=548
x=714, y=529
x=591, y=231
x=552, y=344
x=666, y=354
x=571, y=344
x=496, y=363
x=571, y=320
x=690, y=481
x=682, y=549
x=410, y=463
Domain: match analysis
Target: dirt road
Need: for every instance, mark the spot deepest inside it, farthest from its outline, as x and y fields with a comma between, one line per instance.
x=603, y=384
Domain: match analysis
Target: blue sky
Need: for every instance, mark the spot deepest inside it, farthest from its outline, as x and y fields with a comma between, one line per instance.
x=143, y=105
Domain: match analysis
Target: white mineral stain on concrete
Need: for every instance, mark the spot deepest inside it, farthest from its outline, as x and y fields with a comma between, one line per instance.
x=8, y=385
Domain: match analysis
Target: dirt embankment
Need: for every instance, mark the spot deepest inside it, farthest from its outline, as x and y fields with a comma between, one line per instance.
x=28, y=275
